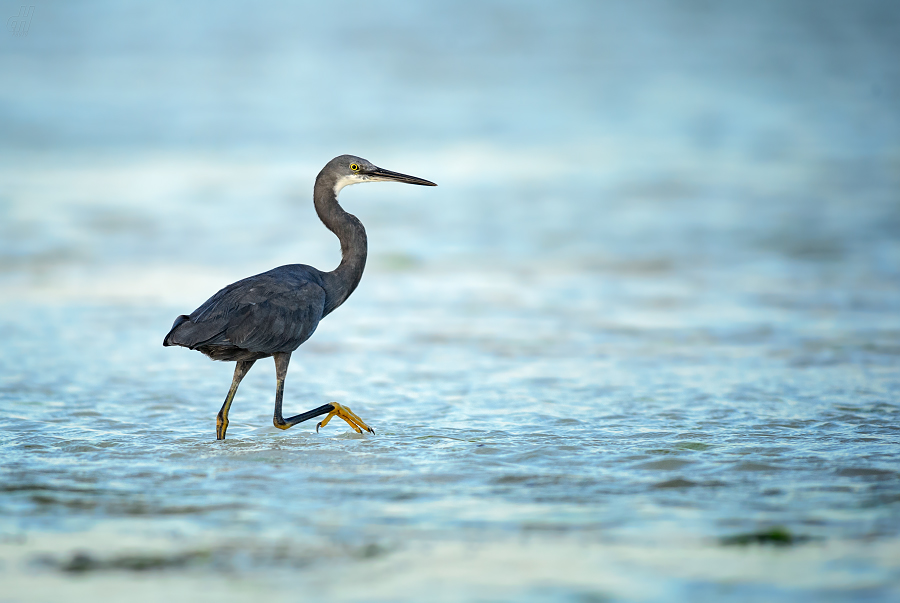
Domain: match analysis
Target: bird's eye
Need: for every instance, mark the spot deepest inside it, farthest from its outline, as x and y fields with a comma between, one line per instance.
x=354, y=167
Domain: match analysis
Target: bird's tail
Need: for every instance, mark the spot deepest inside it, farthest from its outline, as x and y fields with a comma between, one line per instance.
x=178, y=322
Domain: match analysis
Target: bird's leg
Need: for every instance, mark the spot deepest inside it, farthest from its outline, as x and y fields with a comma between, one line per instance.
x=240, y=369
x=282, y=359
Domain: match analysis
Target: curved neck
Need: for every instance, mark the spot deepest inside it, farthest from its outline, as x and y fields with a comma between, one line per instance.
x=340, y=282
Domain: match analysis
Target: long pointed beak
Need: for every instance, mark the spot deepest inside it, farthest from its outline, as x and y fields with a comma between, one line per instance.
x=381, y=174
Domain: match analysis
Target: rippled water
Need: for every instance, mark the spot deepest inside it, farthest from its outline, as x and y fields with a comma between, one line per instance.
x=642, y=343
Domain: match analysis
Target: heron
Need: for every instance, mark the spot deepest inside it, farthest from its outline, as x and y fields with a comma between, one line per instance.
x=273, y=313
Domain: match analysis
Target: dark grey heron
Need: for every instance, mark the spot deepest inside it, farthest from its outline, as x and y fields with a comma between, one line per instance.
x=272, y=313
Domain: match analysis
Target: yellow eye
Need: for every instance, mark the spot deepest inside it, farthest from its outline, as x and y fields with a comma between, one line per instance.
x=354, y=167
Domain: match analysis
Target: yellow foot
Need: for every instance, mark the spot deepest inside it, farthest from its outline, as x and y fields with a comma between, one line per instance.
x=346, y=414
x=221, y=427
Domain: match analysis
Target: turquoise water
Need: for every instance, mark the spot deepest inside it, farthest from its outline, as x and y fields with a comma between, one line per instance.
x=641, y=344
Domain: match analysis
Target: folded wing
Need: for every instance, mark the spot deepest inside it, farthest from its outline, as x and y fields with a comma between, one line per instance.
x=256, y=317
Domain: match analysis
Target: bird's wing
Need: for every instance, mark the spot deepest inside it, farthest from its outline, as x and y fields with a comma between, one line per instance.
x=280, y=322
x=264, y=313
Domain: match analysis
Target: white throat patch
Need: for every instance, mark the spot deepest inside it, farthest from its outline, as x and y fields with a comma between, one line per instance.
x=347, y=181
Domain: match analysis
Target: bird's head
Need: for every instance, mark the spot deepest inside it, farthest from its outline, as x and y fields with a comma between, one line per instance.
x=349, y=169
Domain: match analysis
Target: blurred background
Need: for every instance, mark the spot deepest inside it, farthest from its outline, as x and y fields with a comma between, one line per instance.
x=641, y=343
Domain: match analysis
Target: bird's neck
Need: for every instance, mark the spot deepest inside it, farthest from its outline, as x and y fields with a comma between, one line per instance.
x=340, y=282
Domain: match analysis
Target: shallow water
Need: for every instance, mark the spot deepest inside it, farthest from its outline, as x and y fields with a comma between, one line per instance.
x=642, y=343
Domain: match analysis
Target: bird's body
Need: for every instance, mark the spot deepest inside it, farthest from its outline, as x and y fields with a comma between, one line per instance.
x=273, y=313
x=256, y=317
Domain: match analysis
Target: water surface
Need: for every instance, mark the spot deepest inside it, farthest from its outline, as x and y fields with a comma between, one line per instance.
x=642, y=343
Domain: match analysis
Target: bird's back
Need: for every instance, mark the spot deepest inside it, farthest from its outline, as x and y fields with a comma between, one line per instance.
x=256, y=317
